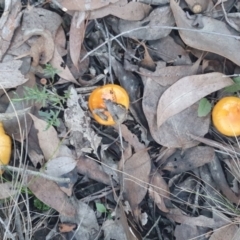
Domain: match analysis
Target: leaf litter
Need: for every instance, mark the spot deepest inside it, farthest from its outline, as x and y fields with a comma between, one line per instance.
x=165, y=171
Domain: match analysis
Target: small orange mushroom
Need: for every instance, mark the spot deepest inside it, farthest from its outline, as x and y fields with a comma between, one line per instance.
x=226, y=116
x=96, y=102
x=5, y=147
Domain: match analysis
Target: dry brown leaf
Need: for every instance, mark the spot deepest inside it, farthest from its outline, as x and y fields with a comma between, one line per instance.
x=189, y=160
x=136, y=178
x=10, y=75
x=66, y=227
x=84, y=5
x=169, y=51
x=63, y=70
x=133, y=11
x=86, y=220
x=76, y=36
x=93, y=170
x=40, y=18
x=225, y=46
x=153, y=30
x=48, y=139
x=188, y=91
x=131, y=138
x=158, y=191
x=177, y=216
x=169, y=75
x=229, y=231
x=184, y=231
x=218, y=176
x=43, y=48
x=9, y=21
x=49, y=193
x=174, y=133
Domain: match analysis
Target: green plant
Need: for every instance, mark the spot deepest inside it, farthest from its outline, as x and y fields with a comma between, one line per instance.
x=234, y=87
x=45, y=97
x=40, y=205
x=50, y=71
x=204, y=107
x=102, y=209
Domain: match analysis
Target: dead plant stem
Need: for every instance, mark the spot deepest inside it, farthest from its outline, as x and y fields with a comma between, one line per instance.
x=35, y=173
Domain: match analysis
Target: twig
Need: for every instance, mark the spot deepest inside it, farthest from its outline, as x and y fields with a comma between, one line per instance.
x=35, y=173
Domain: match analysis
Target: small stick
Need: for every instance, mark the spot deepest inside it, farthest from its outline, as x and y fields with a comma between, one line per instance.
x=35, y=173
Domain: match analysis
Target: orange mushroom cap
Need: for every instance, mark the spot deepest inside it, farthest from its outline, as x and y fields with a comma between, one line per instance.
x=5, y=147
x=112, y=92
x=226, y=116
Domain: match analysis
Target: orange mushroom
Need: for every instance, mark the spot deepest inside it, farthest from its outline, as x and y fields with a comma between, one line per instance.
x=226, y=116
x=5, y=147
x=96, y=102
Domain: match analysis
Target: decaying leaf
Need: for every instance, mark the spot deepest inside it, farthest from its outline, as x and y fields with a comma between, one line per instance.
x=76, y=36
x=153, y=22
x=229, y=231
x=9, y=21
x=133, y=11
x=136, y=172
x=202, y=37
x=158, y=191
x=66, y=227
x=10, y=75
x=188, y=91
x=49, y=192
x=169, y=51
x=48, y=139
x=63, y=70
x=85, y=218
x=190, y=159
x=93, y=170
x=84, y=5
x=174, y=132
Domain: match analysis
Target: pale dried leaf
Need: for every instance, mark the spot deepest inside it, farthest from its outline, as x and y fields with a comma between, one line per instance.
x=59, y=166
x=9, y=21
x=93, y=170
x=229, y=231
x=89, y=228
x=187, y=91
x=198, y=38
x=49, y=193
x=10, y=76
x=158, y=191
x=84, y=5
x=7, y=190
x=154, y=28
x=63, y=71
x=131, y=138
x=48, y=139
x=133, y=11
x=169, y=51
x=76, y=36
x=174, y=133
x=136, y=179
x=189, y=159
x=40, y=18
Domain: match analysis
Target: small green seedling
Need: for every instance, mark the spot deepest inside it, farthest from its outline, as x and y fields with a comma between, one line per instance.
x=49, y=71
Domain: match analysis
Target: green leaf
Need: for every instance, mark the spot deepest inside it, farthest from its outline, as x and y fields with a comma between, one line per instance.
x=236, y=79
x=233, y=88
x=204, y=107
x=101, y=208
x=40, y=205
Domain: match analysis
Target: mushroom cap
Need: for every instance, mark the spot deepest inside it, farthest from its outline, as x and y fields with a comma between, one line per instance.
x=112, y=92
x=226, y=116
